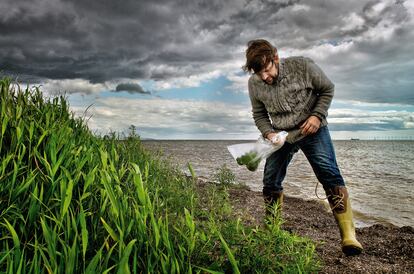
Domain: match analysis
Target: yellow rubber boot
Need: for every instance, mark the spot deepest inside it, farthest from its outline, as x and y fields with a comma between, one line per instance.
x=341, y=207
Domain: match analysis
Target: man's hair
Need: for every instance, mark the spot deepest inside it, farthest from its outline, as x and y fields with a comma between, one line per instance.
x=258, y=54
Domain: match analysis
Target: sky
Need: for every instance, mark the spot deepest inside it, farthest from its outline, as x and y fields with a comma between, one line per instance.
x=172, y=69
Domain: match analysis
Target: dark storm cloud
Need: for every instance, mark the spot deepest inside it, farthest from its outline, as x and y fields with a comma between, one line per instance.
x=105, y=40
x=101, y=41
x=131, y=88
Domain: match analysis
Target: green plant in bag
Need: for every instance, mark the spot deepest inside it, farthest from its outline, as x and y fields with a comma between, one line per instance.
x=250, y=159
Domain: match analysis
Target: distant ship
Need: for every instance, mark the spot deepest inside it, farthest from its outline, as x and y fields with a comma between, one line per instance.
x=354, y=139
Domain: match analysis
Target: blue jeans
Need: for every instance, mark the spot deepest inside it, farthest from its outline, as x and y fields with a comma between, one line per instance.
x=319, y=151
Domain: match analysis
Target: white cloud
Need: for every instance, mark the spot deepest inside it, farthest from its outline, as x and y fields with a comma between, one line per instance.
x=238, y=82
x=404, y=119
x=165, y=118
x=357, y=104
x=188, y=119
x=323, y=51
x=410, y=8
x=409, y=124
x=193, y=80
x=54, y=87
x=353, y=21
x=229, y=69
x=300, y=7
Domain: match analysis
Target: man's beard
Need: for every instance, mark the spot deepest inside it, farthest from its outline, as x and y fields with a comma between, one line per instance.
x=269, y=80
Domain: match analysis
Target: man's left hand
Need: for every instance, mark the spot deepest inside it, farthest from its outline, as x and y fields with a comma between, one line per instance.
x=311, y=125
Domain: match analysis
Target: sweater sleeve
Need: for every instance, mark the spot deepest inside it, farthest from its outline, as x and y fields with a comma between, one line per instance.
x=260, y=114
x=322, y=86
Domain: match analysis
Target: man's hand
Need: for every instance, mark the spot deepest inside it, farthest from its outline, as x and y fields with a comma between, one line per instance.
x=272, y=137
x=311, y=125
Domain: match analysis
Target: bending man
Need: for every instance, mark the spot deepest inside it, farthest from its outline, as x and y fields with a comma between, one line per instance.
x=293, y=94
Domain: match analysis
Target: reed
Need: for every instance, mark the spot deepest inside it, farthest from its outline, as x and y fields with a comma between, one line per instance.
x=72, y=202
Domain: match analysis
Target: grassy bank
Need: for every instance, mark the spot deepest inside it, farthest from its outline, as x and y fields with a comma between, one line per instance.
x=73, y=202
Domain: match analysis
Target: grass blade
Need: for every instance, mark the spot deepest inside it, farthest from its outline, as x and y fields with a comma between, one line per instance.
x=124, y=265
x=67, y=199
x=13, y=233
x=110, y=230
x=84, y=232
x=230, y=255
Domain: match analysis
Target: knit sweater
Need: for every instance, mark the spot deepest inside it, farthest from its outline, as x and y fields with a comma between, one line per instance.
x=301, y=89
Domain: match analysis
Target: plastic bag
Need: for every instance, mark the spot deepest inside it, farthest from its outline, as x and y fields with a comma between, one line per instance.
x=251, y=154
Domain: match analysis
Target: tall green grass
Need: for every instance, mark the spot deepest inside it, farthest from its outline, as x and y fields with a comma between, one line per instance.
x=72, y=202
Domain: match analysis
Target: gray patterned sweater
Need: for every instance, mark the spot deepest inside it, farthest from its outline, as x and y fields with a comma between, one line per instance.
x=300, y=90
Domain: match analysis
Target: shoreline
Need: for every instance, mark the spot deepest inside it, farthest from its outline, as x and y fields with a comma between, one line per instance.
x=361, y=219
x=387, y=247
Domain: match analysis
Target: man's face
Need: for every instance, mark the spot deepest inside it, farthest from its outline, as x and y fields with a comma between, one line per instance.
x=269, y=73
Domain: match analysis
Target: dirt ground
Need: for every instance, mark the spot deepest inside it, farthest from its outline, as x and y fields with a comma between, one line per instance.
x=387, y=248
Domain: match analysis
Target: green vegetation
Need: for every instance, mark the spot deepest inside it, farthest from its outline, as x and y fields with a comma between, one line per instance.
x=225, y=176
x=72, y=202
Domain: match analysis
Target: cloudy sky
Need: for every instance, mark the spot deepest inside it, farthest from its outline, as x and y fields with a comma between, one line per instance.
x=173, y=68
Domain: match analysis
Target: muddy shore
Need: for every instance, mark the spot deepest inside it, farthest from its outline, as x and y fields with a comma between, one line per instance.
x=387, y=248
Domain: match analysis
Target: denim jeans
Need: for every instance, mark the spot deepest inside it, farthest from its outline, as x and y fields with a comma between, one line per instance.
x=319, y=151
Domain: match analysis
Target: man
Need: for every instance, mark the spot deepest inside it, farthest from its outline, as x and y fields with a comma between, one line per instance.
x=293, y=94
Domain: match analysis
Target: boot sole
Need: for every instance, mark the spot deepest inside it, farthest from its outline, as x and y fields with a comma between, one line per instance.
x=351, y=250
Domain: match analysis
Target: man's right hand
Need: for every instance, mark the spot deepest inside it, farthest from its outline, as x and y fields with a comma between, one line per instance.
x=272, y=137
